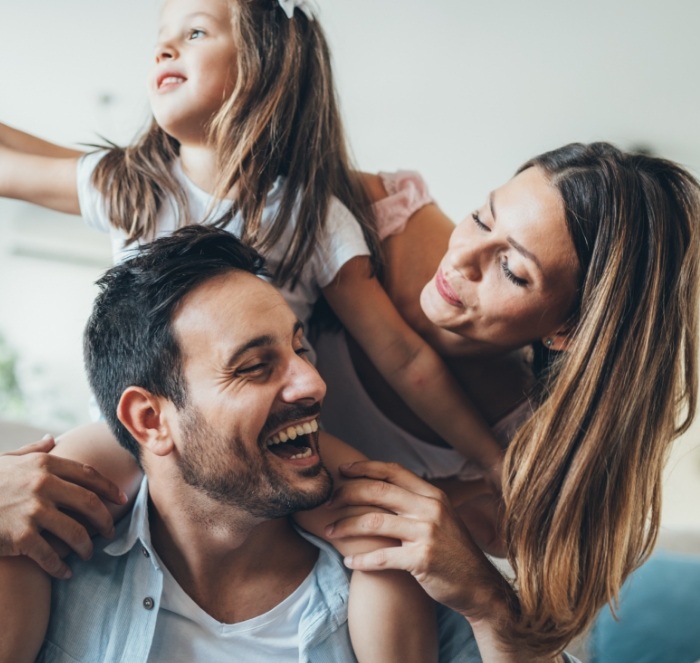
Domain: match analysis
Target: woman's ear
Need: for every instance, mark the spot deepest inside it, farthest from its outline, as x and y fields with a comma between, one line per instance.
x=559, y=340
x=142, y=415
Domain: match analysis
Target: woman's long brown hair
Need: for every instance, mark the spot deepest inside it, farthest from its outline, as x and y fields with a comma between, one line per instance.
x=584, y=474
x=281, y=119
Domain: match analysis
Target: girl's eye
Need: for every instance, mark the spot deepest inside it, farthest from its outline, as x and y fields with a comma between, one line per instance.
x=195, y=33
x=302, y=351
x=479, y=223
x=521, y=283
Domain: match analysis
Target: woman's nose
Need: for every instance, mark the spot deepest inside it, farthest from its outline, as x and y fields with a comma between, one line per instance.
x=466, y=259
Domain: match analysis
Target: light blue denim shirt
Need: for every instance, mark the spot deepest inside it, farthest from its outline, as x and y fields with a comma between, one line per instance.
x=107, y=612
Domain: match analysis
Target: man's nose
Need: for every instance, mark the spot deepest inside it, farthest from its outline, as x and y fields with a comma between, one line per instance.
x=303, y=382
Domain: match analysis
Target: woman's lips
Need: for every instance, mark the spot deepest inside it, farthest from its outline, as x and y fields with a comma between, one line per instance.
x=445, y=290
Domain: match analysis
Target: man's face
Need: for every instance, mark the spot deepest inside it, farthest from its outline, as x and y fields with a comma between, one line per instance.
x=250, y=387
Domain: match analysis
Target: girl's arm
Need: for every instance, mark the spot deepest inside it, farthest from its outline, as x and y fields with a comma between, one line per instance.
x=389, y=616
x=410, y=365
x=19, y=141
x=38, y=172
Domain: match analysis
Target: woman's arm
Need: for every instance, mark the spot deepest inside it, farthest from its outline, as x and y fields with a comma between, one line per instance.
x=435, y=548
x=39, y=488
x=38, y=172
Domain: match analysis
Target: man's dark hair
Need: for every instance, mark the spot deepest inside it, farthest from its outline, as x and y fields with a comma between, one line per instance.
x=128, y=339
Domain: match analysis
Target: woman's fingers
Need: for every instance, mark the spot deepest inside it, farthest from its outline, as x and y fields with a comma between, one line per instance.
x=44, y=445
x=86, y=476
x=394, y=474
x=38, y=549
x=83, y=503
x=374, y=524
x=37, y=488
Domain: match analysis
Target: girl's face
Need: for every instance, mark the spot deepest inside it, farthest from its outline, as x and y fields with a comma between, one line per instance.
x=194, y=69
x=510, y=273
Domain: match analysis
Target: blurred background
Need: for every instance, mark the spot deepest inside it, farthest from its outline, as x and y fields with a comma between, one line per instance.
x=462, y=91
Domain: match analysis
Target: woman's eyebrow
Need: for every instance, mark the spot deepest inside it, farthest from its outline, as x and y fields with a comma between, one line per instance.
x=516, y=245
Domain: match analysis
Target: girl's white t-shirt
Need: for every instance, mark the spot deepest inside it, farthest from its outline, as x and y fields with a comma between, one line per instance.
x=342, y=240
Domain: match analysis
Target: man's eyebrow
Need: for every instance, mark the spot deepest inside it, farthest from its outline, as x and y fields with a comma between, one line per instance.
x=517, y=246
x=259, y=342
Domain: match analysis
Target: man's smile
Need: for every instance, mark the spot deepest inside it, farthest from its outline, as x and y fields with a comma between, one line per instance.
x=295, y=441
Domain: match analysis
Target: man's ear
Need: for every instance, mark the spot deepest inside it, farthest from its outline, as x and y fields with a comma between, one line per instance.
x=142, y=415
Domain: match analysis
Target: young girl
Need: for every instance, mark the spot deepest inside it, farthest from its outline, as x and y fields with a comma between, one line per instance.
x=246, y=135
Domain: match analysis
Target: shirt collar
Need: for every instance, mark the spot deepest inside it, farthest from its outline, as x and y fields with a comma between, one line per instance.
x=134, y=528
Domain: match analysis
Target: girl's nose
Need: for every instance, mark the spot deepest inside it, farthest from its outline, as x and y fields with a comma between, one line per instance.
x=165, y=51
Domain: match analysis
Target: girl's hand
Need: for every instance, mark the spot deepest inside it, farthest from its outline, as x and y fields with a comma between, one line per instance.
x=435, y=546
x=36, y=489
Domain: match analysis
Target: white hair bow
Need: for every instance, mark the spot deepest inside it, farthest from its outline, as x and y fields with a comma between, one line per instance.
x=307, y=6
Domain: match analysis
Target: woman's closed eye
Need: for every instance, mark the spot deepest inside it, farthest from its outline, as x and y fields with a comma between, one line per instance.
x=521, y=283
x=479, y=223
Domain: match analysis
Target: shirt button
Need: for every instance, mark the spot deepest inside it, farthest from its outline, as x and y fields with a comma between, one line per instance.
x=145, y=552
x=148, y=603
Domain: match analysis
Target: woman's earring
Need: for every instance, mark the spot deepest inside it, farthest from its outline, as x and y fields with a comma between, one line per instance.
x=549, y=342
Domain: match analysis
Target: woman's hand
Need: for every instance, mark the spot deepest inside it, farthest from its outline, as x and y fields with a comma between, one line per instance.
x=36, y=490
x=435, y=546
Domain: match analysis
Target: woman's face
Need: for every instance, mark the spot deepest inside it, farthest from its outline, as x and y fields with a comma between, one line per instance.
x=510, y=274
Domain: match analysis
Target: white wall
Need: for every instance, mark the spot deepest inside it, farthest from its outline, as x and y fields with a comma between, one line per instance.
x=463, y=91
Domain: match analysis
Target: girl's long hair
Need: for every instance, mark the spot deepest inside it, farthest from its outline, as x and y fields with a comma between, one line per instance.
x=583, y=476
x=281, y=119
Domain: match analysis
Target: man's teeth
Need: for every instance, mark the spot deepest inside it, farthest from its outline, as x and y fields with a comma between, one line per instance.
x=303, y=454
x=292, y=432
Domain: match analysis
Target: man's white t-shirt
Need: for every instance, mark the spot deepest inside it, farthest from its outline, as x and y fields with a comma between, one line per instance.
x=186, y=633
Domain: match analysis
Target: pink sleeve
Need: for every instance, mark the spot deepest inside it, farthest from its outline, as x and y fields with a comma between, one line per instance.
x=407, y=193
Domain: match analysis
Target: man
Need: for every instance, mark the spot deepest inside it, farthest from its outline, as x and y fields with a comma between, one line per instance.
x=199, y=368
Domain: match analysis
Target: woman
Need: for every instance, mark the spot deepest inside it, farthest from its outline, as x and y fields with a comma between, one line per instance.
x=589, y=257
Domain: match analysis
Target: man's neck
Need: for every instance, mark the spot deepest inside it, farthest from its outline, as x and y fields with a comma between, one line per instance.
x=234, y=566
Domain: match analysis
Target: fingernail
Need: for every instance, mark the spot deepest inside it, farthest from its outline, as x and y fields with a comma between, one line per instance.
x=123, y=497
x=329, y=529
x=47, y=437
x=66, y=574
x=347, y=561
x=345, y=466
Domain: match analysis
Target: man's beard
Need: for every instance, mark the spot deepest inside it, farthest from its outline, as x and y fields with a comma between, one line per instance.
x=231, y=473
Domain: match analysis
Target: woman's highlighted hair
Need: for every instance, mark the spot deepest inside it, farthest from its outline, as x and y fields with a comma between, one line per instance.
x=583, y=476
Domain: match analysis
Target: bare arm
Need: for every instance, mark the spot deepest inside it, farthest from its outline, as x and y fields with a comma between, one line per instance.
x=435, y=548
x=37, y=171
x=391, y=619
x=38, y=488
x=19, y=141
x=410, y=365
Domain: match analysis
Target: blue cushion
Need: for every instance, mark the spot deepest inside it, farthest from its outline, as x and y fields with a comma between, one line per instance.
x=658, y=616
